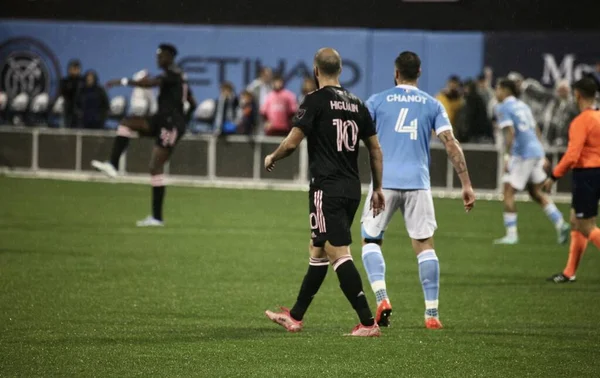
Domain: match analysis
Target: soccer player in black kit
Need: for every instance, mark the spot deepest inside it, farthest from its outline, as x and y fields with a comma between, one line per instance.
x=333, y=120
x=167, y=126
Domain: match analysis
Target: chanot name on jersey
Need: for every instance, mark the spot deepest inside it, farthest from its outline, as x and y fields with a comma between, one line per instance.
x=406, y=98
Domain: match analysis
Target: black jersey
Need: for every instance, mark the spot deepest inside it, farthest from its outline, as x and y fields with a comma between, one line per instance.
x=171, y=94
x=333, y=121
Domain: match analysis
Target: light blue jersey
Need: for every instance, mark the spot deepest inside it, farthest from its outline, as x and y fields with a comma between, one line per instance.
x=405, y=117
x=516, y=114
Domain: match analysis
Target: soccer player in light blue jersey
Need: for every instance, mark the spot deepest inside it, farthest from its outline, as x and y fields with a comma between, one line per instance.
x=525, y=162
x=406, y=118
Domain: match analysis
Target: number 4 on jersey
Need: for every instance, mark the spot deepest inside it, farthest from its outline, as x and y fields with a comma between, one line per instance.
x=402, y=128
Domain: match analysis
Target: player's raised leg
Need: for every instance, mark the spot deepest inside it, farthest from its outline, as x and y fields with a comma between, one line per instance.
x=537, y=195
x=318, y=265
x=510, y=217
x=125, y=131
x=160, y=155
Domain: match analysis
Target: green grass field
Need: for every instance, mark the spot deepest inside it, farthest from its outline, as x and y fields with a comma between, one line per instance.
x=85, y=293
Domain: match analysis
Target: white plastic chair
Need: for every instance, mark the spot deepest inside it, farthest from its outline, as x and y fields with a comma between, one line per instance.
x=118, y=105
x=20, y=102
x=40, y=103
x=206, y=110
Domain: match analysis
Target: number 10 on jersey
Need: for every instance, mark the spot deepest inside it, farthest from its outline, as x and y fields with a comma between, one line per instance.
x=347, y=134
x=401, y=127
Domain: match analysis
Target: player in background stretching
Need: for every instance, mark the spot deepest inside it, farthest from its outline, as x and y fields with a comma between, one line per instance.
x=406, y=118
x=333, y=120
x=167, y=126
x=583, y=156
x=525, y=166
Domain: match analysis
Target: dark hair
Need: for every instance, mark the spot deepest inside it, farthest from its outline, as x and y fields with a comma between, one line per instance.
x=481, y=77
x=74, y=63
x=277, y=77
x=408, y=65
x=510, y=85
x=587, y=87
x=454, y=78
x=93, y=73
x=227, y=85
x=168, y=48
x=246, y=92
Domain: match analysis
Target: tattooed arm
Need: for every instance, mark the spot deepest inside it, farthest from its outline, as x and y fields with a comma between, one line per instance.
x=456, y=156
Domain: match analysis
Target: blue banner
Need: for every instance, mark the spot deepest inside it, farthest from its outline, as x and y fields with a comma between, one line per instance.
x=34, y=55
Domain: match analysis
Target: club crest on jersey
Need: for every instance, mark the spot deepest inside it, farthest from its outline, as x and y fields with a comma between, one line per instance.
x=300, y=113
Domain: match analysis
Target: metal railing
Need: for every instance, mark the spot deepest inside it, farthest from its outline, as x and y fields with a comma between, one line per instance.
x=209, y=158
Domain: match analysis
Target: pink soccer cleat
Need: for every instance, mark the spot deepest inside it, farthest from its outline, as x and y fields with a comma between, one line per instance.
x=365, y=331
x=285, y=320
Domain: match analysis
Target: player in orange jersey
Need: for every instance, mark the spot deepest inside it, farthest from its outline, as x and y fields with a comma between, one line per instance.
x=583, y=156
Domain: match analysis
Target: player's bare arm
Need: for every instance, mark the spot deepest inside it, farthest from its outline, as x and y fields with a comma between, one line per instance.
x=457, y=157
x=147, y=82
x=285, y=149
x=376, y=159
x=509, y=137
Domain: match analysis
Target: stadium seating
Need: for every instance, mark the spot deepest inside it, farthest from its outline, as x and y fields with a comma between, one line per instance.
x=17, y=109
x=38, y=110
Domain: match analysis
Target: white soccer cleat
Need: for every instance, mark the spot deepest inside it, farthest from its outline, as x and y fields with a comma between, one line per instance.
x=105, y=167
x=563, y=233
x=150, y=221
x=365, y=331
x=507, y=240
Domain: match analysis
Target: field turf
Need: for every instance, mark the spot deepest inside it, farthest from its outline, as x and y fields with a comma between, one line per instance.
x=83, y=293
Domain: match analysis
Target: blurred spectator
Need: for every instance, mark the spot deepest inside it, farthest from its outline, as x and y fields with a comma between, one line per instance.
x=190, y=103
x=69, y=88
x=451, y=98
x=248, y=114
x=534, y=94
x=472, y=122
x=308, y=85
x=261, y=86
x=558, y=114
x=225, y=110
x=92, y=102
x=485, y=90
x=278, y=109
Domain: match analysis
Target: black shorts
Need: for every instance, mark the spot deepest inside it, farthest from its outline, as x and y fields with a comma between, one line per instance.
x=331, y=218
x=166, y=129
x=586, y=192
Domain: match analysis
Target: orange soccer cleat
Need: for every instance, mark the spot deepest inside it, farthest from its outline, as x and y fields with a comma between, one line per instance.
x=433, y=322
x=384, y=310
